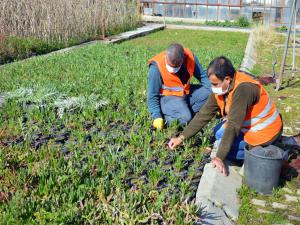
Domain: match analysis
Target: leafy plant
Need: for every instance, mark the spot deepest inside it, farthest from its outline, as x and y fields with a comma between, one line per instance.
x=98, y=161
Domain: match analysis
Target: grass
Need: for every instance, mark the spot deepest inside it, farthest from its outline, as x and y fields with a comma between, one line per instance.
x=287, y=101
x=249, y=213
x=15, y=48
x=98, y=165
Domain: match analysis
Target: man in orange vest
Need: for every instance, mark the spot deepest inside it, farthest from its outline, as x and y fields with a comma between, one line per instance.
x=170, y=94
x=249, y=114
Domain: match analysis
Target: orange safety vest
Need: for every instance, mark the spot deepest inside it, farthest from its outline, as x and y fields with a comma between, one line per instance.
x=172, y=84
x=262, y=121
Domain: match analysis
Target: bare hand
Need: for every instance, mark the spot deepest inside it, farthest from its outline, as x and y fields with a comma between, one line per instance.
x=174, y=142
x=217, y=162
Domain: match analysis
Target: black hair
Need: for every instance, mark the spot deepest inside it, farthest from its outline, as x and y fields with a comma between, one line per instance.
x=221, y=67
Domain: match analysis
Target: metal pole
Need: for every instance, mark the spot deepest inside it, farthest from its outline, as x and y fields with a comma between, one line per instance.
x=279, y=80
x=164, y=15
x=294, y=44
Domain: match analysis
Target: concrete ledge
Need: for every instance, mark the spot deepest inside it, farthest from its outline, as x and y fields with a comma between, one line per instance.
x=211, y=214
x=208, y=28
x=249, y=57
x=217, y=195
x=142, y=31
x=220, y=191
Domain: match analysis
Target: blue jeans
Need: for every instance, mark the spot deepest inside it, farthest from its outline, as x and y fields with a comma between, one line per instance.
x=237, y=149
x=184, y=108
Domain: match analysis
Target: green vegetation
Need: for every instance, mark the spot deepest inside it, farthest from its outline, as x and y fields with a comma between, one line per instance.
x=287, y=100
x=16, y=48
x=282, y=28
x=75, y=137
x=241, y=22
x=45, y=26
x=249, y=213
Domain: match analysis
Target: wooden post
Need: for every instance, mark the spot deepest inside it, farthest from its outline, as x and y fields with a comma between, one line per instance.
x=103, y=27
x=139, y=8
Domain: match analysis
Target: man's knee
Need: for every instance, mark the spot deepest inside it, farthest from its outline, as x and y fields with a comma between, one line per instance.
x=199, y=98
x=185, y=117
x=182, y=116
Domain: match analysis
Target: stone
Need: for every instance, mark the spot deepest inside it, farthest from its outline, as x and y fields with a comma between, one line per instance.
x=287, y=190
x=141, y=31
x=258, y=202
x=2, y=100
x=298, y=192
x=288, y=109
x=215, y=149
x=220, y=190
x=288, y=129
x=277, y=205
x=263, y=211
x=291, y=198
x=294, y=218
x=250, y=53
x=242, y=171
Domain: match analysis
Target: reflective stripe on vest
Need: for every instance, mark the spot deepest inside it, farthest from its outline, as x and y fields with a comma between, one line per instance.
x=172, y=88
x=262, y=121
x=263, y=114
x=262, y=125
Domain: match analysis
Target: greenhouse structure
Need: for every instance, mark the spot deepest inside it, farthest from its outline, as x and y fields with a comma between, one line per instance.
x=273, y=12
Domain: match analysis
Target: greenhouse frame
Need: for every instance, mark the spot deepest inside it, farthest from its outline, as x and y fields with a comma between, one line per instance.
x=273, y=12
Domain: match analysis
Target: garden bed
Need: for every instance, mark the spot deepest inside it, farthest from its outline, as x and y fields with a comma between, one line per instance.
x=76, y=140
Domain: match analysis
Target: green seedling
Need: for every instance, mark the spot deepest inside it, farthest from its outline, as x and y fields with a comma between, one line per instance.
x=76, y=144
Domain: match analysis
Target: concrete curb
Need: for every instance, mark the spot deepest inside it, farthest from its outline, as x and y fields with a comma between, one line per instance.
x=191, y=24
x=217, y=195
x=249, y=57
x=208, y=28
x=141, y=31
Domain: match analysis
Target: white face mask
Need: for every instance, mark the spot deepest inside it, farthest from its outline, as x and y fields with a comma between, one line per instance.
x=172, y=69
x=219, y=91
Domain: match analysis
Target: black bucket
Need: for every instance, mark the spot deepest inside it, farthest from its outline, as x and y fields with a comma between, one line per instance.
x=262, y=167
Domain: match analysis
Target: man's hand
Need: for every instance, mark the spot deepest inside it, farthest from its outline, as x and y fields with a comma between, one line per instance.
x=158, y=123
x=174, y=142
x=217, y=162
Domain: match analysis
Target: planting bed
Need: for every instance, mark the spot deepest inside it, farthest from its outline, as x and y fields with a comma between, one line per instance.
x=76, y=143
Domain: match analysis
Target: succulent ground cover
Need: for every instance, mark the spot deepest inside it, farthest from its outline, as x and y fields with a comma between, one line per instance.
x=75, y=137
